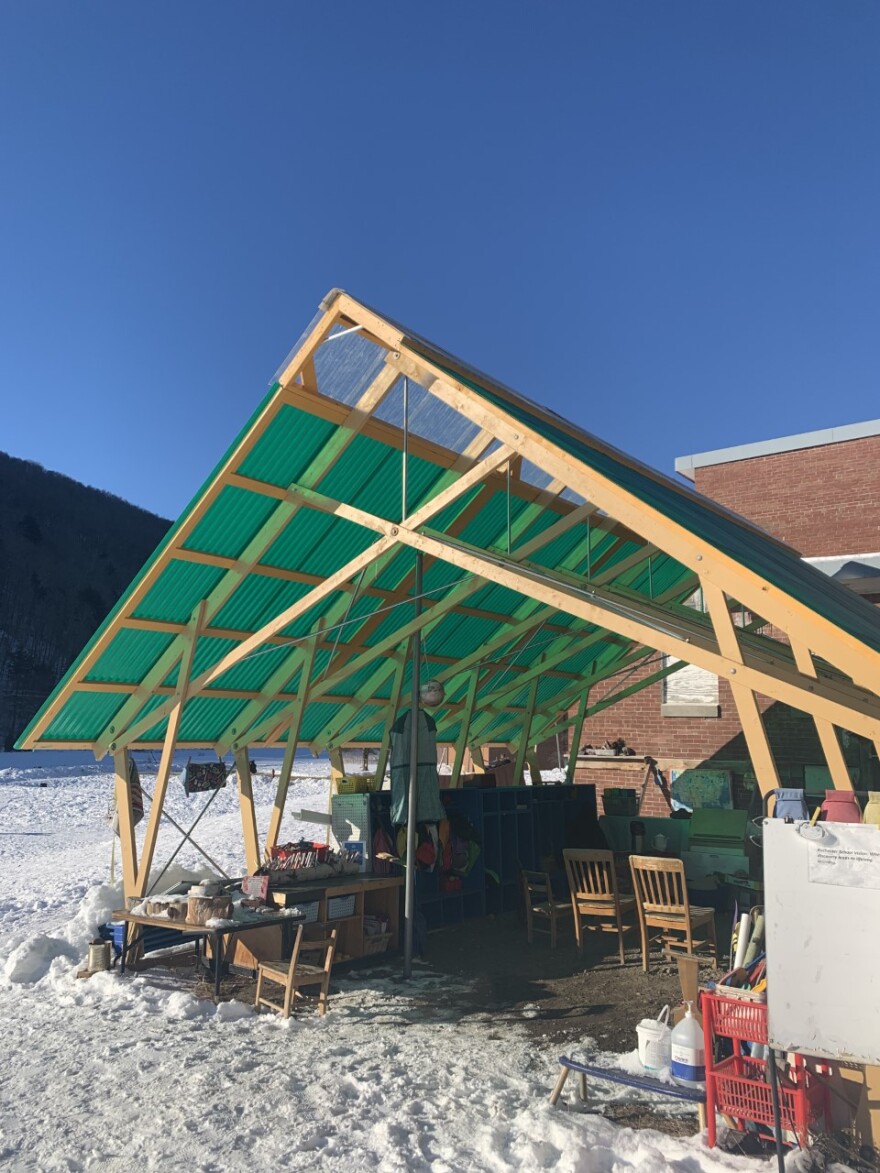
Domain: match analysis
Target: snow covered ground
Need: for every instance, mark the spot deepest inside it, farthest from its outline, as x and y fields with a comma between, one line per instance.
x=135, y=1070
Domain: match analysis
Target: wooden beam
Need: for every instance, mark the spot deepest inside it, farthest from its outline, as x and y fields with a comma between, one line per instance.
x=462, y=739
x=430, y=508
x=330, y=584
x=837, y=767
x=743, y=696
x=616, y=569
x=248, y=811
x=125, y=819
x=281, y=790
x=823, y=636
x=523, y=744
x=390, y=712
x=676, y=635
x=290, y=748
x=575, y=741
x=161, y=787
x=179, y=534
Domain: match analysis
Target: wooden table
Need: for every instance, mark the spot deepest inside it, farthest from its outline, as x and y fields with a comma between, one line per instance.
x=220, y=936
x=370, y=895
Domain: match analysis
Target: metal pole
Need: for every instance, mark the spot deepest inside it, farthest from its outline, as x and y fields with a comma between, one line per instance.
x=409, y=907
x=773, y=1077
x=405, y=452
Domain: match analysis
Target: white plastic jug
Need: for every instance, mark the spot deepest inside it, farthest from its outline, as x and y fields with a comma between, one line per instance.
x=688, y=1066
x=654, y=1041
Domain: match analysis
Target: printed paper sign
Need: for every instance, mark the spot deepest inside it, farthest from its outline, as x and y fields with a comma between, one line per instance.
x=255, y=887
x=848, y=857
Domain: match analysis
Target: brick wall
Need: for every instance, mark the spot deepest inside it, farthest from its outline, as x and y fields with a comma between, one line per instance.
x=822, y=500
x=679, y=743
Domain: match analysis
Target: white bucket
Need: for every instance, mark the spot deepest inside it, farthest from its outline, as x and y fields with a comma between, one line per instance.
x=655, y=1041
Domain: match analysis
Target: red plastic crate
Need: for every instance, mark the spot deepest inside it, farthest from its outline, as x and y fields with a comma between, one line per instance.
x=741, y=1091
x=735, y=1018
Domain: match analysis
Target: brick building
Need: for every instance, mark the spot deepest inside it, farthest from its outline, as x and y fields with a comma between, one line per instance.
x=818, y=492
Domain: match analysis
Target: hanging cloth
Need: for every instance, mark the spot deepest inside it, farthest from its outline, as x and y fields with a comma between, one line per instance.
x=202, y=776
x=429, y=808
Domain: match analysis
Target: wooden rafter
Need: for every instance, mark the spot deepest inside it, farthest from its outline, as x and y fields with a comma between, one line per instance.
x=743, y=695
x=438, y=502
x=180, y=532
x=293, y=728
x=461, y=740
x=826, y=731
x=826, y=638
x=677, y=636
x=168, y=748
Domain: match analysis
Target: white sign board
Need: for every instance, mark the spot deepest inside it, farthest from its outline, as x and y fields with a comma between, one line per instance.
x=822, y=904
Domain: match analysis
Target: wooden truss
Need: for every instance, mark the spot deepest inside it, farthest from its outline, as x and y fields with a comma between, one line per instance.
x=821, y=669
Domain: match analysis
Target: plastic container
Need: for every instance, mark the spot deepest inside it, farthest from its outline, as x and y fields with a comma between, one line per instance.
x=655, y=1046
x=637, y=836
x=340, y=906
x=872, y=809
x=841, y=806
x=688, y=1065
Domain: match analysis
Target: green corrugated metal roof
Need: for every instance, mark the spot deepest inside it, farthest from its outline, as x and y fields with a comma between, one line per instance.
x=726, y=532
x=263, y=555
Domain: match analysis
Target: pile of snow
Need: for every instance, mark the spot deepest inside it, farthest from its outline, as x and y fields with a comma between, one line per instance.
x=116, y=1069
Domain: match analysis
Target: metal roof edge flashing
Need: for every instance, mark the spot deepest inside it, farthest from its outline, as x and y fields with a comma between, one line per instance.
x=328, y=299
x=686, y=466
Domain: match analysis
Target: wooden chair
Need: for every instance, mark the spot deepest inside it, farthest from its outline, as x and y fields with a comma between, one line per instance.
x=295, y=973
x=540, y=904
x=592, y=882
x=662, y=901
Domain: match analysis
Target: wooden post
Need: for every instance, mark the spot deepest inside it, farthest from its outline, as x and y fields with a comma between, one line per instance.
x=478, y=759
x=283, y=784
x=337, y=767
x=743, y=697
x=523, y=745
x=248, y=813
x=461, y=740
x=290, y=747
x=576, y=733
x=828, y=739
x=125, y=817
x=161, y=787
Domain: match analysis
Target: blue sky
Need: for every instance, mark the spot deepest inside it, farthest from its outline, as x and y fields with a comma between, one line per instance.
x=659, y=218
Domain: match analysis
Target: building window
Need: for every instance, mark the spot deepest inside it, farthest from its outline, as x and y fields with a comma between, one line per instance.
x=689, y=692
